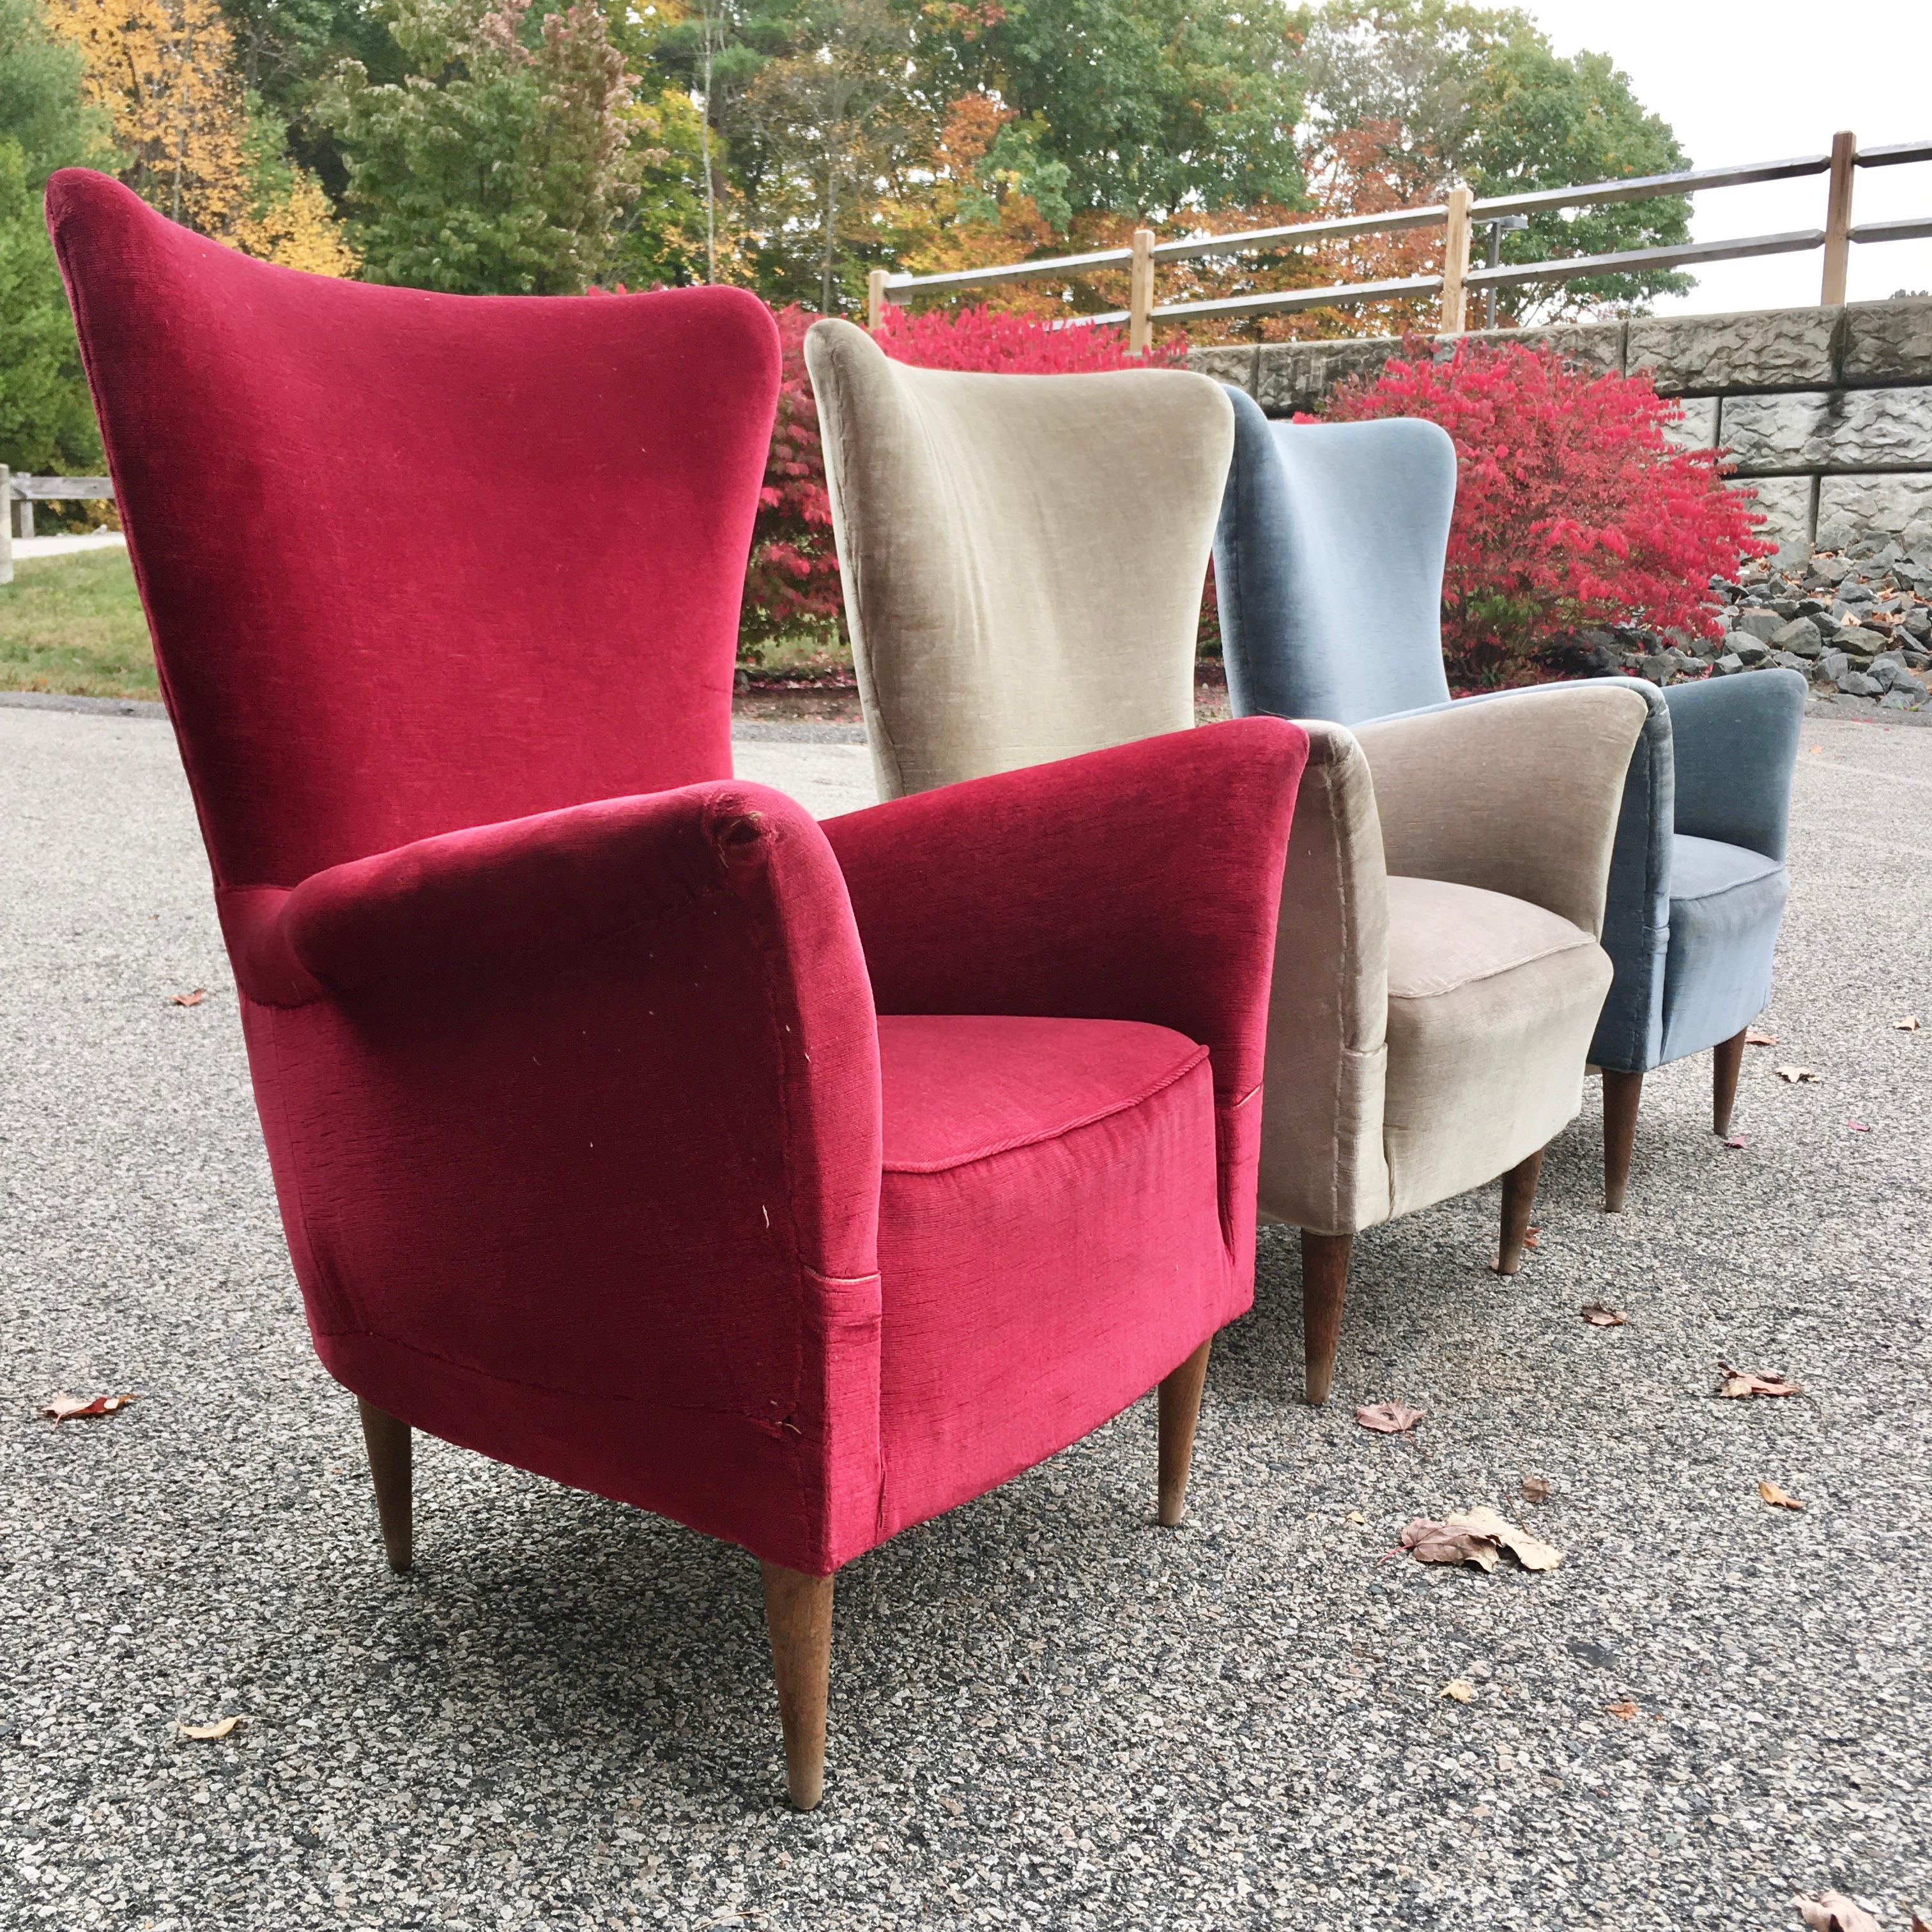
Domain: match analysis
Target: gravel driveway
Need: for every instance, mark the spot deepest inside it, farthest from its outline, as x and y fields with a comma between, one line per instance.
x=1045, y=1712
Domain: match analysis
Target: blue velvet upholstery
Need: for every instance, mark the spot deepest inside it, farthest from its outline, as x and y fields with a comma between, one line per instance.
x=1328, y=567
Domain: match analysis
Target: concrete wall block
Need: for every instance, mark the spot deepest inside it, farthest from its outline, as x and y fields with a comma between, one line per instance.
x=1597, y=346
x=1831, y=430
x=1698, y=429
x=1292, y=375
x=1850, y=507
x=1787, y=505
x=1887, y=342
x=1760, y=349
x=1235, y=365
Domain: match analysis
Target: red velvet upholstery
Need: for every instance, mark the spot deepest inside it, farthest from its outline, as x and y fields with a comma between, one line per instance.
x=592, y=1152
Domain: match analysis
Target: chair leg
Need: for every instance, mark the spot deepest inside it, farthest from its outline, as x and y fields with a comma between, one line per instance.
x=798, y=1615
x=1726, y=1057
x=1519, y=1203
x=390, y=1445
x=1324, y=1281
x=1179, y=1411
x=1622, y=1094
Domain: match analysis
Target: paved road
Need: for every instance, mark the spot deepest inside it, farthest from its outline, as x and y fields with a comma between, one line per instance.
x=1046, y=1713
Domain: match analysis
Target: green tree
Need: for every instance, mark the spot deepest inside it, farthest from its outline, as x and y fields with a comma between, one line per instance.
x=499, y=164
x=1453, y=91
x=47, y=420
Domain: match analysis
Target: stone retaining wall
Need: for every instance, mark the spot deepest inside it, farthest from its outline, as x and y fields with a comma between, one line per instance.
x=1829, y=410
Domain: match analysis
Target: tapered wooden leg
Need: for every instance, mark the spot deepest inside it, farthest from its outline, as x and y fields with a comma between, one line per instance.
x=798, y=1614
x=1324, y=1281
x=1727, y=1056
x=1179, y=1411
x=1622, y=1094
x=1519, y=1204
x=391, y=1458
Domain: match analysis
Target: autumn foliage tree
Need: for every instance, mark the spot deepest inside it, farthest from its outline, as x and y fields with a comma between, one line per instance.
x=1573, y=508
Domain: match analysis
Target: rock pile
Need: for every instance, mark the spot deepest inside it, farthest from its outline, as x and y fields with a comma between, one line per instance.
x=1858, y=623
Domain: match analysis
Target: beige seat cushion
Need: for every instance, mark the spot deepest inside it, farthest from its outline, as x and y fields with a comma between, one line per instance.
x=1492, y=1002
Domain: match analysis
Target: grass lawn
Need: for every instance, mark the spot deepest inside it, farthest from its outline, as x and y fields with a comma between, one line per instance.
x=74, y=624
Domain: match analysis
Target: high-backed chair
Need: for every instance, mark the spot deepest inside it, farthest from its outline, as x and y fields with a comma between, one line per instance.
x=1023, y=558
x=798, y=1183
x=1328, y=564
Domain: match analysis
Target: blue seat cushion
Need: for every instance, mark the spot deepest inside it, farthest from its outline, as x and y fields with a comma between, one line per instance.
x=1726, y=904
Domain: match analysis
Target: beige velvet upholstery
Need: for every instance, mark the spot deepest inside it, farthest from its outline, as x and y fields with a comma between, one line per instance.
x=1023, y=558
x=1023, y=555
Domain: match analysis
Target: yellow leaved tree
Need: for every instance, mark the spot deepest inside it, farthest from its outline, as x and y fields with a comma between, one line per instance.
x=163, y=73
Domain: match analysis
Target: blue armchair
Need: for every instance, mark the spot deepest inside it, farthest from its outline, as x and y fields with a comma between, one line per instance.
x=1328, y=566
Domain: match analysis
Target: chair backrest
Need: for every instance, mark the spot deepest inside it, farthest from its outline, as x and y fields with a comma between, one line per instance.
x=1328, y=566
x=1023, y=555
x=416, y=561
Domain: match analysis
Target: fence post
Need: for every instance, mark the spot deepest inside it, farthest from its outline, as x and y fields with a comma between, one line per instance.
x=1456, y=261
x=6, y=525
x=875, y=299
x=1838, y=220
x=1140, y=293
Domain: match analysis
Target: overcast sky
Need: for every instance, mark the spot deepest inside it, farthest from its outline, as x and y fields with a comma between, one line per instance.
x=1762, y=80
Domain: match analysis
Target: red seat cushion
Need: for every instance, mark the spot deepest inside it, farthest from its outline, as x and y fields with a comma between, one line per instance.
x=1074, y=1160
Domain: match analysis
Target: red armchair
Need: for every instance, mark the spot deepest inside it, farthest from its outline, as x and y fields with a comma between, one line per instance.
x=628, y=1126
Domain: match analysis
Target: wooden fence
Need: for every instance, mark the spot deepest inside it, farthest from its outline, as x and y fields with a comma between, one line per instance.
x=1460, y=217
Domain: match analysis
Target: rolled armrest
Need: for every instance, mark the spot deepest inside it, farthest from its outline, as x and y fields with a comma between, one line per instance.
x=1139, y=883
x=1736, y=746
x=575, y=1122
x=1518, y=795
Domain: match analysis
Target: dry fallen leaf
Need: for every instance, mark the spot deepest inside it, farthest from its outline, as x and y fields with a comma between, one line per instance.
x=1530, y=1551
x=1736, y=1140
x=1598, y=1316
x=1356, y=1518
x=1737, y=1383
x=1389, y=1418
x=219, y=1729
x=1908, y=1024
x=1776, y=1497
x=1622, y=1707
x=1857, y=1126
x=1918, y=1924
x=65, y=1407
x=1791, y=1075
x=1459, y=1688
x=1753, y=1037
x=1833, y=1912
x=1537, y=1489
x=193, y=999
x=1429, y=1541
x=1530, y=1235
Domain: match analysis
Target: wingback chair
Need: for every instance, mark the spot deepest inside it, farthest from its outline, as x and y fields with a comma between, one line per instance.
x=1023, y=557
x=796, y=1183
x=1329, y=565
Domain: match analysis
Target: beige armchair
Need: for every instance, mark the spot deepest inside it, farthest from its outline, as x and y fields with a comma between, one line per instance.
x=1023, y=558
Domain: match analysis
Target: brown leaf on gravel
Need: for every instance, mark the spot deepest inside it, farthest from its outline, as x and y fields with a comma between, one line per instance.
x=1622, y=1707
x=1459, y=1688
x=65, y=1407
x=1429, y=1541
x=219, y=1729
x=1918, y=1924
x=1776, y=1497
x=1908, y=1024
x=1833, y=1912
x=1531, y=1236
x=1857, y=1126
x=1736, y=1141
x=1598, y=1316
x=1532, y=1553
x=1753, y=1037
x=193, y=999
x=1537, y=1489
x=1389, y=1418
x=1791, y=1076
x=1740, y=1383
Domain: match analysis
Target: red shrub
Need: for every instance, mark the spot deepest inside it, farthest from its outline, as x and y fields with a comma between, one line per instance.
x=1572, y=507
x=793, y=583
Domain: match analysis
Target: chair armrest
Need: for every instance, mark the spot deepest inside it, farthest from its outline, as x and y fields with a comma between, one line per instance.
x=1519, y=794
x=575, y=1122
x=1736, y=743
x=1139, y=883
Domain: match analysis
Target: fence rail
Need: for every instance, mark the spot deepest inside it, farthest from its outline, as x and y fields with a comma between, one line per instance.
x=1460, y=215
